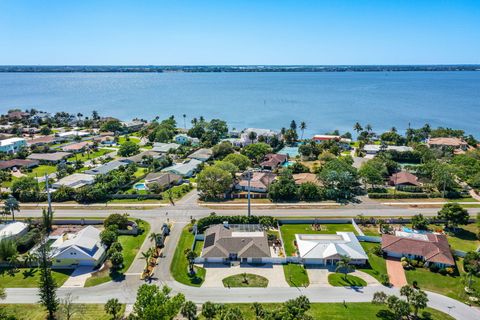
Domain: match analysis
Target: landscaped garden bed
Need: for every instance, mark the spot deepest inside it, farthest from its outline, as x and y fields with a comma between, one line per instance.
x=245, y=280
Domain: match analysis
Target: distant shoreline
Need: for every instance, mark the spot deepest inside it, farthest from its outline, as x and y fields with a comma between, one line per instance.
x=239, y=68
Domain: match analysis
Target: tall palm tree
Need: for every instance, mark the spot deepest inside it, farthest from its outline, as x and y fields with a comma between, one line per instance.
x=191, y=256
x=13, y=260
x=303, y=126
x=344, y=266
x=194, y=121
x=146, y=255
x=29, y=258
x=393, y=129
x=368, y=127
x=252, y=136
x=185, y=121
x=12, y=205
x=357, y=127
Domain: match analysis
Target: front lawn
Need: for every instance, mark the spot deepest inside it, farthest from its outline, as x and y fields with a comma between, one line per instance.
x=340, y=280
x=465, y=238
x=37, y=312
x=296, y=275
x=450, y=286
x=41, y=170
x=245, y=280
x=89, y=155
x=376, y=265
x=179, y=266
x=29, y=277
x=130, y=245
x=289, y=231
x=340, y=311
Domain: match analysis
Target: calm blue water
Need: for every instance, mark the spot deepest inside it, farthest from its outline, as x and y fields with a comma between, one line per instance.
x=325, y=101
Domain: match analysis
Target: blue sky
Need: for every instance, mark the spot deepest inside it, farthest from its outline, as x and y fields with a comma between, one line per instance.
x=239, y=32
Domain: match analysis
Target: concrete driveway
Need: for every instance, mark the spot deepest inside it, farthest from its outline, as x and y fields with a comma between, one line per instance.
x=78, y=277
x=396, y=273
x=217, y=272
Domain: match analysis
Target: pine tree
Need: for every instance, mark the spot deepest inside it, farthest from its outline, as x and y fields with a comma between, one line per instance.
x=47, y=285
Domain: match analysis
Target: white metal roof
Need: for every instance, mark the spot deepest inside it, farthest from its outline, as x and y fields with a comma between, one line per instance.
x=12, y=229
x=9, y=141
x=323, y=246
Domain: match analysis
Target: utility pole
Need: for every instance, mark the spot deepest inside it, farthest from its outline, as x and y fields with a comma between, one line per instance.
x=249, y=177
x=48, y=194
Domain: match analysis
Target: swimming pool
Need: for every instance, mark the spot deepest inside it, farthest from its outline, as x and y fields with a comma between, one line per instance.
x=140, y=186
x=292, y=152
x=288, y=164
x=408, y=230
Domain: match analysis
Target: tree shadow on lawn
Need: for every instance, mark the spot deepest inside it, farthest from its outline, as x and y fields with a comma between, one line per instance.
x=463, y=234
x=389, y=315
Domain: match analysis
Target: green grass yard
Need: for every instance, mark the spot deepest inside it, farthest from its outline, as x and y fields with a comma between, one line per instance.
x=296, y=275
x=376, y=265
x=130, y=245
x=289, y=230
x=340, y=280
x=252, y=281
x=123, y=139
x=340, y=311
x=37, y=312
x=29, y=277
x=41, y=170
x=179, y=266
x=89, y=156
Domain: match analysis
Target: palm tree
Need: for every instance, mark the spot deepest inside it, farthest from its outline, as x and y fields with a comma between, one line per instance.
x=393, y=129
x=303, y=126
x=252, y=136
x=357, y=127
x=185, y=121
x=12, y=205
x=146, y=255
x=189, y=310
x=29, y=258
x=191, y=256
x=194, y=121
x=344, y=266
x=368, y=127
x=157, y=238
x=293, y=125
x=13, y=260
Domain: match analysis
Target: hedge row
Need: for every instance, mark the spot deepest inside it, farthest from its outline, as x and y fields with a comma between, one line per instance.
x=416, y=195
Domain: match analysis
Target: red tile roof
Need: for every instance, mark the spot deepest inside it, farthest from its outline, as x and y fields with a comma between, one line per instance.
x=404, y=177
x=17, y=163
x=274, y=160
x=435, y=249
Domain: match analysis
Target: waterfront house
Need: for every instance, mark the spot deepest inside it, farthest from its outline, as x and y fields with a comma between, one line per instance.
x=184, y=139
x=83, y=248
x=133, y=126
x=328, y=249
x=430, y=248
x=165, y=147
x=245, y=243
x=17, y=115
x=329, y=137
x=12, y=145
x=376, y=148
x=448, y=142
x=267, y=134
x=71, y=135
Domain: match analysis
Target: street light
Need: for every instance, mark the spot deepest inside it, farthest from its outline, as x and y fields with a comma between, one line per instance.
x=248, y=175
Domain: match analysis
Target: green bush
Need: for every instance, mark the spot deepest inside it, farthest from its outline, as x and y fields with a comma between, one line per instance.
x=28, y=240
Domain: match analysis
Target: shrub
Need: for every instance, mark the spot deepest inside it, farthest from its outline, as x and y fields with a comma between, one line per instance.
x=405, y=264
x=415, y=283
x=414, y=263
x=117, y=260
x=450, y=270
x=443, y=271
x=434, y=268
x=404, y=259
x=28, y=240
x=108, y=237
x=116, y=219
x=420, y=264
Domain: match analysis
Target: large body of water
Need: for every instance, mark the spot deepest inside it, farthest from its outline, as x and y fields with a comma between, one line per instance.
x=325, y=101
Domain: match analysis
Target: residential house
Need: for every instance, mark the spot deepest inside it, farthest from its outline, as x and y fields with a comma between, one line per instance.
x=49, y=158
x=448, y=142
x=376, y=148
x=429, y=247
x=107, y=167
x=272, y=161
x=133, y=126
x=17, y=115
x=18, y=163
x=165, y=147
x=83, y=248
x=186, y=169
x=328, y=249
x=403, y=178
x=70, y=135
x=108, y=140
x=329, y=137
x=40, y=116
x=267, y=135
x=244, y=243
x=139, y=159
x=12, y=145
x=30, y=130
x=306, y=177
x=184, y=139
x=13, y=230
x=236, y=142
x=164, y=179
x=41, y=141
x=77, y=147
x=259, y=183
x=75, y=181
x=201, y=154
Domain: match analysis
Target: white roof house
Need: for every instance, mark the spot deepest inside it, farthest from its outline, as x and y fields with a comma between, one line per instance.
x=329, y=248
x=83, y=248
x=75, y=181
x=266, y=133
x=375, y=148
x=186, y=169
x=68, y=134
x=11, y=145
x=13, y=230
x=164, y=147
